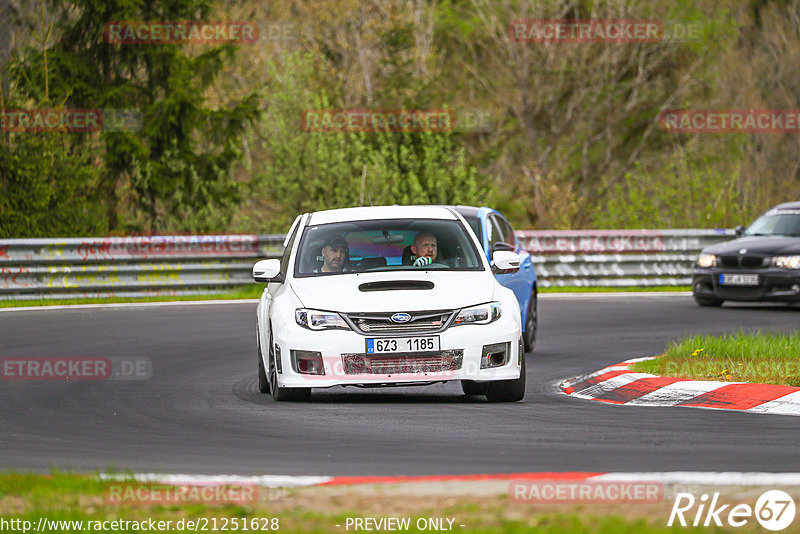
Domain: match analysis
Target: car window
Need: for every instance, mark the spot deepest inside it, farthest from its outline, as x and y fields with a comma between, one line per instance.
x=495, y=231
x=507, y=232
x=777, y=222
x=385, y=245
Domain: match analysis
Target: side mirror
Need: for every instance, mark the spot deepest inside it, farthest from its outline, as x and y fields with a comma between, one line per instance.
x=268, y=271
x=505, y=261
x=739, y=230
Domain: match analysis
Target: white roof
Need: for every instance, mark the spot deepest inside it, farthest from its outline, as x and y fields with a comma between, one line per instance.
x=381, y=212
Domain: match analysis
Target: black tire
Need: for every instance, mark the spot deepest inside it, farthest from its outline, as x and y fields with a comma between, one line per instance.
x=531, y=322
x=263, y=383
x=707, y=301
x=470, y=387
x=280, y=394
x=508, y=390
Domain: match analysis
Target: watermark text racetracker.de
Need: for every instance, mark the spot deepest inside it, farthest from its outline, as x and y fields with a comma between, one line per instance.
x=70, y=120
x=584, y=491
x=179, y=32
x=730, y=120
x=72, y=368
x=149, y=494
x=552, y=31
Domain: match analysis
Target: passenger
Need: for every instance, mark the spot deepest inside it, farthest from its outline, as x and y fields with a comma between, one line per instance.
x=424, y=248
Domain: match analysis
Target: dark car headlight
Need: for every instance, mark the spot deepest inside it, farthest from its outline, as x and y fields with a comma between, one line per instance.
x=706, y=260
x=786, y=262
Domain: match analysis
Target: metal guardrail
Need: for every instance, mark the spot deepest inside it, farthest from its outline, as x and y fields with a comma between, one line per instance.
x=130, y=266
x=181, y=265
x=615, y=258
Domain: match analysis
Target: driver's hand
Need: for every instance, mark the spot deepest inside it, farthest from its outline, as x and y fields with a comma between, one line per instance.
x=422, y=261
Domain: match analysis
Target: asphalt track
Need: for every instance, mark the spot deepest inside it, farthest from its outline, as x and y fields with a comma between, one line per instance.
x=200, y=411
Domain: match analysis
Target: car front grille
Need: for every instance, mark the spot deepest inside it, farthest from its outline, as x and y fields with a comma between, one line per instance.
x=428, y=322
x=383, y=364
x=742, y=262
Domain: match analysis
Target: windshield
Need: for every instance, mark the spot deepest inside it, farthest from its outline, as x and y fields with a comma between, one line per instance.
x=385, y=245
x=784, y=222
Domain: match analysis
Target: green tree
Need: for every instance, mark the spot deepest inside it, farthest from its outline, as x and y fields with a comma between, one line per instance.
x=175, y=174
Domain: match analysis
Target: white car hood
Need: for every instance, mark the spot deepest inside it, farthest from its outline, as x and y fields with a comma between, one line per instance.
x=340, y=292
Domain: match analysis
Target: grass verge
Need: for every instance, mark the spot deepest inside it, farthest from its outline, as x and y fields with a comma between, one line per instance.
x=252, y=291
x=84, y=501
x=760, y=357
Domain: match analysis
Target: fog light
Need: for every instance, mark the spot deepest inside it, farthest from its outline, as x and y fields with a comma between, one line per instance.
x=278, y=364
x=796, y=288
x=307, y=362
x=494, y=355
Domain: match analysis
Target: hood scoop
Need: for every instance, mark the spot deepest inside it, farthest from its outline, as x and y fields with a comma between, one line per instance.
x=396, y=285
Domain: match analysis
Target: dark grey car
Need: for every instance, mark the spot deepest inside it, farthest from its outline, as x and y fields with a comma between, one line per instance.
x=763, y=264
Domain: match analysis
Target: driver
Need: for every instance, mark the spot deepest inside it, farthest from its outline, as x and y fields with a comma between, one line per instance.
x=424, y=248
x=334, y=253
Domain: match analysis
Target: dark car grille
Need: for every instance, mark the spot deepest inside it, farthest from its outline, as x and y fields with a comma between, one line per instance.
x=381, y=323
x=742, y=262
x=383, y=364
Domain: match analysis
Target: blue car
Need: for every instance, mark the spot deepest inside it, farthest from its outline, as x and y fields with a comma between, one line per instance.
x=495, y=233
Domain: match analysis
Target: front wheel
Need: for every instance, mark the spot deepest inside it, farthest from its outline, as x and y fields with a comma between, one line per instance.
x=707, y=301
x=263, y=383
x=508, y=390
x=531, y=322
x=470, y=387
x=280, y=394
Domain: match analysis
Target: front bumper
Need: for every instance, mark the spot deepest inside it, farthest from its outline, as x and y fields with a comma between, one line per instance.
x=461, y=350
x=775, y=285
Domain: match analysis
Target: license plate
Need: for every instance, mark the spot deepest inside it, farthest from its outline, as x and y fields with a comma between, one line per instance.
x=738, y=279
x=402, y=344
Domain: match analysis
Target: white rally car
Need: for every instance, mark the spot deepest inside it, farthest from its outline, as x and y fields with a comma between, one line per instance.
x=387, y=296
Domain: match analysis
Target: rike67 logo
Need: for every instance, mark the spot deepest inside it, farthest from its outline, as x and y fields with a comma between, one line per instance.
x=774, y=510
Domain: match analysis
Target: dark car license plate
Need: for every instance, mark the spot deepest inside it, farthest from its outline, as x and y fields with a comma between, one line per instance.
x=738, y=279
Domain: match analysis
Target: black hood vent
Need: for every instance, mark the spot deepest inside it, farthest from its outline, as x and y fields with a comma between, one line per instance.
x=396, y=285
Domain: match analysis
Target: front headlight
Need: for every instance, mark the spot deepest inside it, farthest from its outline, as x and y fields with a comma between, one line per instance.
x=786, y=262
x=706, y=260
x=481, y=314
x=319, y=320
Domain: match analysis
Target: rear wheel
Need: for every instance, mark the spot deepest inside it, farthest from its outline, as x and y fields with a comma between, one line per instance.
x=280, y=394
x=531, y=322
x=508, y=390
x=470, y=387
